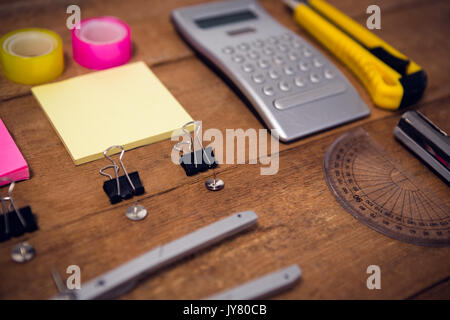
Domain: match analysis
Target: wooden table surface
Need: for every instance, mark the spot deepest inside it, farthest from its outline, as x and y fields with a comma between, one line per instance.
x=299, y=219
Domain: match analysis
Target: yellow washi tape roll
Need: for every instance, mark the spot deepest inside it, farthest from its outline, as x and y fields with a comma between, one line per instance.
x=31, y=55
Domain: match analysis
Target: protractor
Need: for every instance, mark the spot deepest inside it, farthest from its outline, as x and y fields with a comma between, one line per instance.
x=377, y=191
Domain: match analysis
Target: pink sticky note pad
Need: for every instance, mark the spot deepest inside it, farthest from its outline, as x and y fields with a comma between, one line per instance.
x=12, y=163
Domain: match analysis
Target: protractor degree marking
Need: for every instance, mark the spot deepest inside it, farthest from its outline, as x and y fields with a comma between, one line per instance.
x=373, y=161
x=382, y=194
x=369, y=175
x=411, y=208
x=429, y=208
x=417, y=206
x=387, y=190
x=367, y=186
x=425, y=207
x=390, y=197
x=403, y=204
x=359, y=171
x=389, y=185
x=370, y=165
x=434, y=204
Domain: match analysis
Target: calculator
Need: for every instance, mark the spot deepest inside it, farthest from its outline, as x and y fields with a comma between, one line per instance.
x=290, y=84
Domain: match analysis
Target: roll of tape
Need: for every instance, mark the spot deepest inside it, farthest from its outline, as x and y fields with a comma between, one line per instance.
x=31, y=55
x=101, y=43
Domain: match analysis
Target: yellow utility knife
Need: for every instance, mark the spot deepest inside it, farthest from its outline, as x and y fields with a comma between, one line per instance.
x=392, y=80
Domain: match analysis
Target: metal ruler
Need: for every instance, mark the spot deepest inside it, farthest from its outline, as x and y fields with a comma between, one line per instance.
x=125, y=277
x=263, y=287
x=380, y=193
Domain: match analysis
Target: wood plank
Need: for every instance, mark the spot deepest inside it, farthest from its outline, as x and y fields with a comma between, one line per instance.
x=439, y=291
x=300, y=222
x=198, y=89
x=156, y=42
x=78, y=226
x=153, y=36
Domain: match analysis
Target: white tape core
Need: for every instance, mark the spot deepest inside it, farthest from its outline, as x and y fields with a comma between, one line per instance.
x=101, y=32
x=30, y=44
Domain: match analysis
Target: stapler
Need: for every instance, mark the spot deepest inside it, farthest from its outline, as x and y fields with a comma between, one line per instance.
x=426, y=140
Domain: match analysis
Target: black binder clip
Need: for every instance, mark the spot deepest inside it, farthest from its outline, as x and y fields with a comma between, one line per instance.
x=15, y=222
x=199, y=160
x=196, y=160
x=123, y=187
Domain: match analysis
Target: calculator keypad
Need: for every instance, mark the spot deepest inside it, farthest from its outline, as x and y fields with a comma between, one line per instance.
x=281, y=66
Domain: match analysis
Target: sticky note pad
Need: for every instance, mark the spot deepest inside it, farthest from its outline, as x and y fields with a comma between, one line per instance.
x=12, y=162
x=126, y=106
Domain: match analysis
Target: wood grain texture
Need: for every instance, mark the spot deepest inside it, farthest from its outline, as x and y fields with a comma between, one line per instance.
x=300, y=221
x=441, y=290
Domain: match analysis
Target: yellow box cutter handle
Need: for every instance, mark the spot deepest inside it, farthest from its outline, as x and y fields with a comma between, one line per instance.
x=393, y=81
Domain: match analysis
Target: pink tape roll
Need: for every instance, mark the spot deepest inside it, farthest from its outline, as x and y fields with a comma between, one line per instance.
x=101, y=43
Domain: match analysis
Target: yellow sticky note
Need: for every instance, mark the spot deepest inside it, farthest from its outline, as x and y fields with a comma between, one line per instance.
x=125, y=106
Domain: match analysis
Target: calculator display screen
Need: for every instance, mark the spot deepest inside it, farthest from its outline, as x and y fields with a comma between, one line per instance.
x=215, y=21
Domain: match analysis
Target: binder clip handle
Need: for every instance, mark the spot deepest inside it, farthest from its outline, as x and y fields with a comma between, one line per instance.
x=12, y=204
x=203, y=159
x=125, y=186
x=198, y=158
x=190, y=143
x=116, y=168
x=15, y=221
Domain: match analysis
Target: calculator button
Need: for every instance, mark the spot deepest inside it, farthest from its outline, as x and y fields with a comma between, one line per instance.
x=329, y=74
x=307, y=53
x=293, y=56
x=248, y=68
x=300, y=82
x=296, y=44
x=278, y=60
x=268, y=51
x=243, y=46
x=263, y=64
x=317, y=62
x=284, y=86
x=253, y=55
x=269, y=91
x=238, y=58
x=288, y=70
x=273, y=40
x=228, y=50
x=303, y=66
x=301, y=98
x=258, y=78
x=274, y=74
x=283, y=47
x=314, y=77
x=287, y=36
x=258, y=43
